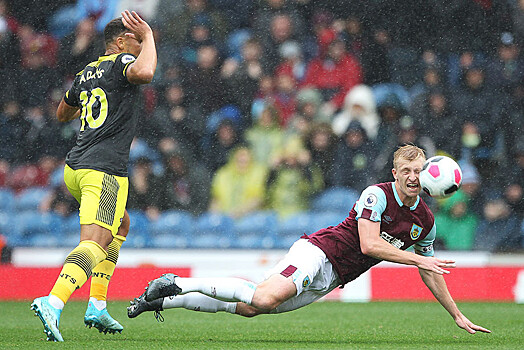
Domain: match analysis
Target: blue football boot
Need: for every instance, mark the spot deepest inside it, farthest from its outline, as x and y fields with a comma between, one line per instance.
x=49, y=316
x=101, y=320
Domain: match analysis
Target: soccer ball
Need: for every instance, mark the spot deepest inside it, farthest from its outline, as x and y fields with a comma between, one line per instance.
x=440, y=177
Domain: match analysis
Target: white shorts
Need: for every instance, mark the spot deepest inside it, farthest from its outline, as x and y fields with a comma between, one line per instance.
x=311, y=271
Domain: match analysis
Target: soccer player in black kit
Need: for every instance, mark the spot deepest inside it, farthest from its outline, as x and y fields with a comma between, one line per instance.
x=103, y=95
x=386, y=220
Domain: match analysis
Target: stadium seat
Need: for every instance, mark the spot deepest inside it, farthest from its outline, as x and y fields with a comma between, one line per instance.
x=30, y=198
x=292, y=228
x=138, y=222
x=335, y=199
x=522, y=234
x=9, y=229
x=7, y=200
x=137, y=239
x=169, y=241
x=33, y=223
x=256, y=230
x=46, y=240
x=319, y=220
x=172, y=222
x=139, y=230
x=213, y=231
x=70, y=239
x=71, y=225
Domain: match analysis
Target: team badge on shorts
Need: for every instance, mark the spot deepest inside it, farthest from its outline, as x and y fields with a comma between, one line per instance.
x=306, y=282
x=415, y=232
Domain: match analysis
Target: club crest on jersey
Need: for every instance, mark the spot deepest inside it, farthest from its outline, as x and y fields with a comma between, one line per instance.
x=370, y=200
x=306, y=282
x=127, y=59
x=415, y=232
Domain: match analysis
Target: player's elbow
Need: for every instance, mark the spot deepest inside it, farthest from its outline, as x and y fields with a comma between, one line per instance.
x=142, y=76
x=368, y=248
x=62, y=115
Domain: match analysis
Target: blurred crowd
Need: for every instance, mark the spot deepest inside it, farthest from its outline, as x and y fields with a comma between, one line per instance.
x=262, y=105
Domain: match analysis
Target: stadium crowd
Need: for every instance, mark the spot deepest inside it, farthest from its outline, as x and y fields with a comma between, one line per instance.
x=264, y=106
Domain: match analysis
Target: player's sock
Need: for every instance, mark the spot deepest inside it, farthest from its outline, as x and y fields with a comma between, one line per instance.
x=77, y=268
x=56, y=302
x=103, y=272
x=199, y=302
x=226, y=289
x=98, y=304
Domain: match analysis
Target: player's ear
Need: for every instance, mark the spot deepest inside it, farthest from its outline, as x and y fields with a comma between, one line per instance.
x=120, y=42
x=394, y=172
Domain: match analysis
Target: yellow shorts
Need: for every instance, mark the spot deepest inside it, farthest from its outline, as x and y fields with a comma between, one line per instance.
x=102, y=197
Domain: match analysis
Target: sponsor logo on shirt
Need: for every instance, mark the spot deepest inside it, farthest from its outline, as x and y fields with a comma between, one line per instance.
x=127, y=58
x=370, y=201
x=395, y=242
x=415, y=232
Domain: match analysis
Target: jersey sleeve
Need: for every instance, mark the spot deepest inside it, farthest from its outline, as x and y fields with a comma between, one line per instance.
x=371, y=204
x=122, y=63
x=71, y=95
x=425, y=246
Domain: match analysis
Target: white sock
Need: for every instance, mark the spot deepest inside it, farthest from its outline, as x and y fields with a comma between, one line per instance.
x=225, y=289
x=198, y=302
x=99, y=304
x=56, y=302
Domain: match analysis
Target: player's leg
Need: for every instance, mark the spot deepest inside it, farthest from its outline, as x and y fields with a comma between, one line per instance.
x=219, y=294
x=88, y=186
x=284, y=282
x=190, y=301
x=225, y=289
x=103, y=272
x=80, y=261
x=96, y=314
x=269, y=295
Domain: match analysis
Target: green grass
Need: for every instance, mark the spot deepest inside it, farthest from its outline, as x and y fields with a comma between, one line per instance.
x=329, y=325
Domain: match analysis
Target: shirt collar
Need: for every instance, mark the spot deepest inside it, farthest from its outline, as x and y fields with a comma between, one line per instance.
x=399, y=202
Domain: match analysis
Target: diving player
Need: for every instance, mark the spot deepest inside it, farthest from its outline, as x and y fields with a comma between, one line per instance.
x=387, y=219
x=103, y=95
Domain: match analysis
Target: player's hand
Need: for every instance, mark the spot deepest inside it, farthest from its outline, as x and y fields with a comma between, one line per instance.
x=463, y=322
x=139, y=28
x=436, y=265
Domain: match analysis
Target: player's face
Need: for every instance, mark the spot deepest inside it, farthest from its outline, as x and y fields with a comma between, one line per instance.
x=407, y=177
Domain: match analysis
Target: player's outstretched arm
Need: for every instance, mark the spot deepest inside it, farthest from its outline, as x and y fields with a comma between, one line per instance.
x=437, y=285
x=65, y=112
x=373, y=245
x=143, y=69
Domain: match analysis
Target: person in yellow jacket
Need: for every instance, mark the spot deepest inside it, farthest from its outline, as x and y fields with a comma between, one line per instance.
x=238, y=188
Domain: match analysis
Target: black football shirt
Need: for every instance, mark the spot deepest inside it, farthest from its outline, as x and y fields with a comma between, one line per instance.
x=108, y=115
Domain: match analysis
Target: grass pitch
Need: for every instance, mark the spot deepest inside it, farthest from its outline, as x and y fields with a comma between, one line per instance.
x=328, y=325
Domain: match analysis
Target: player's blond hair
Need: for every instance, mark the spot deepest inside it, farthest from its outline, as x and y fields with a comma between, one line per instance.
x=409, y=153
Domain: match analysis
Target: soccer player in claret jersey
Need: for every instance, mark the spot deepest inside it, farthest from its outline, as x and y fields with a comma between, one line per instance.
x=103, y=95
x=387, y=219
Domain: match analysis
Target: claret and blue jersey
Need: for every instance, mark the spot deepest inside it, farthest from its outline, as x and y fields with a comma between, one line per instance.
x=400, y=225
